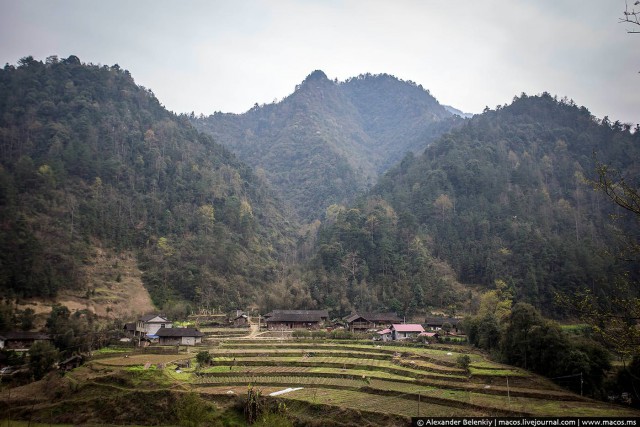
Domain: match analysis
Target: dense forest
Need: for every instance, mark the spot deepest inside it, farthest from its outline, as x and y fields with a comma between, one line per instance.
x=329, y=141
x=88, y=158
x=503, y=200
x=507, y=198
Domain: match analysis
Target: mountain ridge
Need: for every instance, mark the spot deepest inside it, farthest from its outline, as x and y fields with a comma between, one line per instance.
x=348, y=124
x=90, y=159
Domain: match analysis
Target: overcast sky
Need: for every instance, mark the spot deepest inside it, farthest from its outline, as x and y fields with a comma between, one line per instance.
x=207, y=56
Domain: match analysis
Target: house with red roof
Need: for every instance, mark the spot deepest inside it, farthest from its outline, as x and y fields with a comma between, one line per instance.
x=405, y=331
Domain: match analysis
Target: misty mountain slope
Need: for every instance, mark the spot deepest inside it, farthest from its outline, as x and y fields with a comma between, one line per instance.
x=88, y=158
x=328, y=141
x=397, y=116
x=503, y=198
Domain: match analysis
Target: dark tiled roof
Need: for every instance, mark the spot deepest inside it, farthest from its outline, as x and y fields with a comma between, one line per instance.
x=296, y=316
x=375, y=317
x=23, y=336
x=129, y=327
x=441, y=321
x=148, y=317
x=179, y=332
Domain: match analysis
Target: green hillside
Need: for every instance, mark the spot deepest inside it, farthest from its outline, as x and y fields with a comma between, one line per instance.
x=88, y=158
x=506, y=197
x=329, y=140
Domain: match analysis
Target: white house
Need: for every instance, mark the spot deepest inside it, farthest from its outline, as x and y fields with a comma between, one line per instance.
x=151, y=323
x=405, y=331
x=179, y=336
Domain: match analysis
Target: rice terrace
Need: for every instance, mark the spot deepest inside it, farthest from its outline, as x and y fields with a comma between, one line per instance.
x=316, y=381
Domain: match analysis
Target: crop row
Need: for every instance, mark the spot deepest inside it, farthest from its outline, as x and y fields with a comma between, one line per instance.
x=433, y=355
x=456, y=398
x=265, y=353
x=337, y=362
x=274, y=371
x=378, y=403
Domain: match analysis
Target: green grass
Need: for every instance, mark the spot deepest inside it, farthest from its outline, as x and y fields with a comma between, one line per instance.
x=373, y=403
x=113, y=350
x=497, y=372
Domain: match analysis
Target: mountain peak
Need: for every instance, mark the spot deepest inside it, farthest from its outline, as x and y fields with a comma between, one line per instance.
x=317, y=75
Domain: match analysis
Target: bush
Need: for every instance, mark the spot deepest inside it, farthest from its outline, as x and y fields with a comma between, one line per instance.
x=192, y=410
x=301, y=333
x=464, y=362
x=204, y=358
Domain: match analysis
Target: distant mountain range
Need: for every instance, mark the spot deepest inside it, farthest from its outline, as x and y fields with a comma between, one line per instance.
x=329, y=140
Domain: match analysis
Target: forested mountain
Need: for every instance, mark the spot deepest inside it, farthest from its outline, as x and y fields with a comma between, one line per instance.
x=504, y=200
x=329, y=140
x=88, y=158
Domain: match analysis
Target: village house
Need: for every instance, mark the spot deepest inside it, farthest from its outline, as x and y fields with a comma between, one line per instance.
x=362, y=322
x=71, y=363
x=405, y=331
x=429, y=336
x=436, y=323
x=241, y=320
x=179, y=336
x=384, y=335
x=150, y=324
x=21, y=341
x=296, y=319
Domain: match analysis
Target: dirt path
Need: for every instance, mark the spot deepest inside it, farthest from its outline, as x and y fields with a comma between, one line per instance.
x=254, y=331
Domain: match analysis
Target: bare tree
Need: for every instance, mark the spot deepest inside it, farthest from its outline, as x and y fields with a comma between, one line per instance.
x=631, y=16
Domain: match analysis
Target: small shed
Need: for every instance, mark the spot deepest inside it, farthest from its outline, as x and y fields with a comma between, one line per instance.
x=429, y=336
x=242, y=320
x=71, y=363
x=384, y=335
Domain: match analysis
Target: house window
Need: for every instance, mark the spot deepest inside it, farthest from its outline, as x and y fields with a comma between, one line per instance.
x=162, y=325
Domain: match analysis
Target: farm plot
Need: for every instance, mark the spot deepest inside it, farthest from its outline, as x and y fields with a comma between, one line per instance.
x=353, y=375
x=141, y=359
x=301, y=371
x=371, y=378
x=399, y=405
x=337, y=362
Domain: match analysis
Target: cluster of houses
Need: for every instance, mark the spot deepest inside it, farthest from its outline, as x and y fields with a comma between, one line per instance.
x=158, y=328
x=387, y=326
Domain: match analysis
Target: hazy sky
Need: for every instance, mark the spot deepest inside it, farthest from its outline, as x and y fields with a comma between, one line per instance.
x=207, y=56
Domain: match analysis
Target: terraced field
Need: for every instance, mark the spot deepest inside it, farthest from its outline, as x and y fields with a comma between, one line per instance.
x=400, y=380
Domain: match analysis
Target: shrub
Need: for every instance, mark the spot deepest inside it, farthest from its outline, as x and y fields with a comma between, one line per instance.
x=192, y=410
x=463, y=362
x=204, y=358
